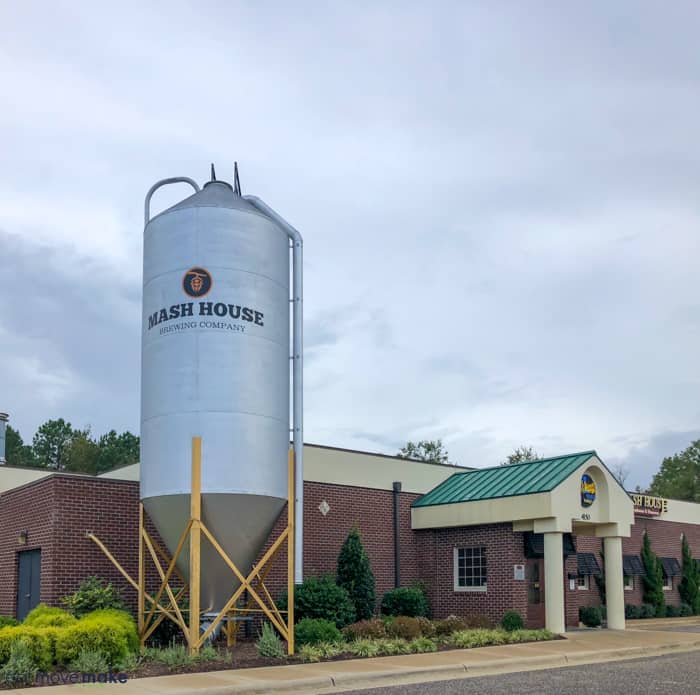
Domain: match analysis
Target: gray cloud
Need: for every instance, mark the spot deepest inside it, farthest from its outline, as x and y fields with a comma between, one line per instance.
x=498, y=204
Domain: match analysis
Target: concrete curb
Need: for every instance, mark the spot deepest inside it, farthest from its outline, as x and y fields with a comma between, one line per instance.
x=399, y=676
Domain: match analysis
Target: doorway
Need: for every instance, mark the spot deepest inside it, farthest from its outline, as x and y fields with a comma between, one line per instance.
x=534, y=575
x=28, y=582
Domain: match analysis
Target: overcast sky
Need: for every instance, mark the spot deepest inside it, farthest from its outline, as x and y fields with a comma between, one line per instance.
x=500, y=203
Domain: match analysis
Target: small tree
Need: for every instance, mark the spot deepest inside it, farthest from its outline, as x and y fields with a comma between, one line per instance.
x=689, y=588
x=520, y=455
x=355, y=575
x=430, y=451
x=653, y=578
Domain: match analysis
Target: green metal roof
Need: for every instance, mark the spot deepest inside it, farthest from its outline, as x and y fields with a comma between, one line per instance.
x=525, y=478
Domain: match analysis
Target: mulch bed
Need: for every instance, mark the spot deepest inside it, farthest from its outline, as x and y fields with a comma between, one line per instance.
x=243, y=655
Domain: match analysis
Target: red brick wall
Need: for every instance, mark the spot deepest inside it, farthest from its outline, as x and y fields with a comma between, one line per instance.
x=31, y=508
x=372, y=512
x=504, y=548
x=57, y=511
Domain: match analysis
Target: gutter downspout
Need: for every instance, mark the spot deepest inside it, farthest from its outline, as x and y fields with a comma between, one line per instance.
x=397, y=539
x=3, y=427
x=297, y=375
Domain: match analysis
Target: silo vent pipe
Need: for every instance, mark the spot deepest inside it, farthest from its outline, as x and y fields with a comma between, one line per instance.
x=297, y=375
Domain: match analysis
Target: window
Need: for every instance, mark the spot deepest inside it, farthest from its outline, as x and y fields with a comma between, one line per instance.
x=668, y=582
x=583, y=582
x=629, y=582
x=470, y=569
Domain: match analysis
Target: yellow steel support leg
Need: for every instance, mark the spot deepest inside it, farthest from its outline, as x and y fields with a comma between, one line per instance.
x=195, y=542
x=254, y=582
x=142, y=577
x=291, y=498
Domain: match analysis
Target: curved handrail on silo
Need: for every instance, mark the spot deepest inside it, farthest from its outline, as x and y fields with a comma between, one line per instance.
x=297, y=376
x=157, y=185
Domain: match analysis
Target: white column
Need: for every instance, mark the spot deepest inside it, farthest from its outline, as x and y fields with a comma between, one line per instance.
x=554, y=582
x=614, y=583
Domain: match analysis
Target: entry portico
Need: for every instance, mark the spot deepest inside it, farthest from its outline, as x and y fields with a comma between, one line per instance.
x=572, y=494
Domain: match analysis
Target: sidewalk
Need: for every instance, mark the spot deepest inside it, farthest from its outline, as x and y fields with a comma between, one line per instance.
x=586, y=646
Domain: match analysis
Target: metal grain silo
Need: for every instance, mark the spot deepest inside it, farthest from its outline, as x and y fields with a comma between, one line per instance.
x=216, y=364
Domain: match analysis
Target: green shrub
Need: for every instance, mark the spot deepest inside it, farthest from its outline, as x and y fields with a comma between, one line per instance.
x=355, y=575
x=36, y=639
x=652, y=579
x=174, y=656
x=92, y=595
x=477, y=620
x=46, y=616
x=686, y=610
x=404, y=627
x=331, y=649
x=427, y=627
x=310, y=653
x=207, y=653
x=590, y=616
x=603, y=611
x=512, y=620
x=365, y=629
x=89, y=662
x=647, y=610
x=6, y=621
x=422, y=644
x=392, y=647
x=631, y=611
x=20, y=669
x=269, y=644
x=111, y=632
x=406, y=601
x=130, y=662
x=529, y=636
x=321, y=598
x=364, y=647
x=449, y=625
x=468, y=639
x=673, y=611
x=315, y=630
x=689, y=587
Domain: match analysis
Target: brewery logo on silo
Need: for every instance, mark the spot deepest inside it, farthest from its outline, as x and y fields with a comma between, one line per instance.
x=197, y=282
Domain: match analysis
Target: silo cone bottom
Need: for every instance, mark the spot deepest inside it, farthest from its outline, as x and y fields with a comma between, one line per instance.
x=241, y=524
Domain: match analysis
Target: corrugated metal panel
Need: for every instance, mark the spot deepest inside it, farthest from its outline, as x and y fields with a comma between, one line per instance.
x=587, y=564
x=671, y=567
x=632, y=566
x=526, y=478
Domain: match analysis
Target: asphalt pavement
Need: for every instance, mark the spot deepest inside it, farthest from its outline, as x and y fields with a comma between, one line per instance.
x=662, y=675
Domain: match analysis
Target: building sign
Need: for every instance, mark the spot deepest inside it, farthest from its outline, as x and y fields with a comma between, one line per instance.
x=519, y=573
x=646, y=505
x=587, y=490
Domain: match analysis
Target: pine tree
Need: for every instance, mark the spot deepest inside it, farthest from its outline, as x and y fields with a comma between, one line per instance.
x=653, y=578
x=689, y=587
x=355, y=575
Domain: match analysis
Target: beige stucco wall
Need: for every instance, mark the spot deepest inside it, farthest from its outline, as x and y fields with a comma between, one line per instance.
x=11, y=477
x=359, y=469
x=124, y=473
x=683, y=512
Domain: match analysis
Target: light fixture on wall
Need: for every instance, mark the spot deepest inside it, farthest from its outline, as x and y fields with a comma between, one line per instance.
x=23, y=537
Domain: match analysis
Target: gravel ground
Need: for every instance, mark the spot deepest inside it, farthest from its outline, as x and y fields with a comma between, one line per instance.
x=663, y=675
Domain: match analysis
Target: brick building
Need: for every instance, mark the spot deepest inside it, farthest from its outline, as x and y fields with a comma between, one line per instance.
x=527, y=537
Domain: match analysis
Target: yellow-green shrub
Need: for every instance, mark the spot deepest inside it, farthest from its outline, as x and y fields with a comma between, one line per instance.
x=46, y=616
x=37, y=639
x=117, y=617
x=109, y=631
